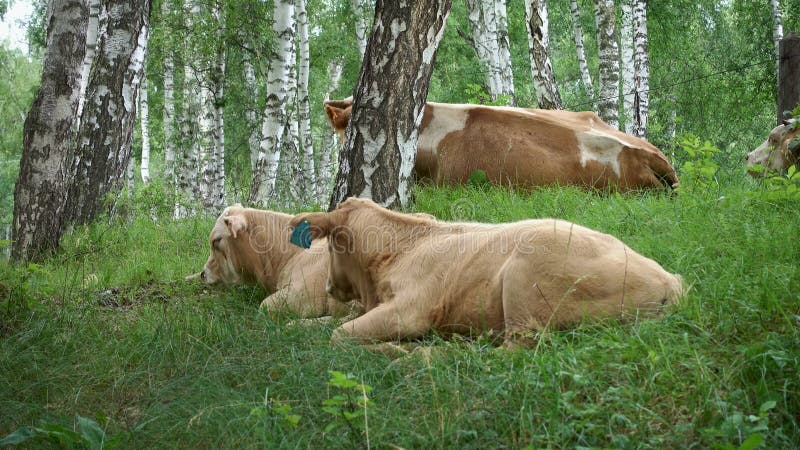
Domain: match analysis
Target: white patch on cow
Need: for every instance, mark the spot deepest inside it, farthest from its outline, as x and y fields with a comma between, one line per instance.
x=446, y=119
x=601, y=147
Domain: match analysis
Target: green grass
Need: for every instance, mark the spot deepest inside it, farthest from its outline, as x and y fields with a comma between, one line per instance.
x=108, y=328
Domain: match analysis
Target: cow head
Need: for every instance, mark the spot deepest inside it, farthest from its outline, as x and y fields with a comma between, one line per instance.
x=777, y=153
x=358, y=239
x=342, y=272
x=338, y=113
x=226, y=264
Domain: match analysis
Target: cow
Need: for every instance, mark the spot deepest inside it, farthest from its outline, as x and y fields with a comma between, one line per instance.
x=248, y=247
x=414, y=275
x=525, y=148
x=777, y=153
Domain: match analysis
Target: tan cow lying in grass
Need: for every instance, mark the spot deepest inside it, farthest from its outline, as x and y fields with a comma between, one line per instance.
x=777, y=153
x=527, y=147
x=250, y=246
x=414, y=275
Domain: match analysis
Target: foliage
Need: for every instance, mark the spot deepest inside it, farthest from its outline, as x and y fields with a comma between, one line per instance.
x=89, y=435
x=477, y=94
x=779, y=187
x=350, y=408
x=699, y=169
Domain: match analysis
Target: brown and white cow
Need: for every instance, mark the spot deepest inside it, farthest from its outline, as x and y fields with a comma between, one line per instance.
x=414, y=275
x=527, y=147
x=249, y=246
x=775, y=154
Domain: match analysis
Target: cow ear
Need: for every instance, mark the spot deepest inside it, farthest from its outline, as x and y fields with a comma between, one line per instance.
x=320, y=223
x=235, y=224
x=333, y=113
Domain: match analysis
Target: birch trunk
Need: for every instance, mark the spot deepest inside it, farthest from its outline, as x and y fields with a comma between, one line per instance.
x=484, y=41
x=330, y=144
x=584, y=66
x=504, y=54
x=361, y=26
x=544, y=81
x=777, y=24
x=641, y=69
x=251, y=114
x=106, y=131
x=274, y=121
x=129, y=178
x=144, y=116
x=169, y=108
x=303, y=102
x=608, y=55
x=381, y=152
x=626, y=62
x=218, y=202
x=91, y=50
x=186, y=169
x=48, y=133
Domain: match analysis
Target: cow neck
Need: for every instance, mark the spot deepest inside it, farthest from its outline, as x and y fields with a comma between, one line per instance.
x=279, y=251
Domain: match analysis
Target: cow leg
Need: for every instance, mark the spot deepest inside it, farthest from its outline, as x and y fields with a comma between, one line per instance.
x=526, y=310
x=386, y=322
x=278, y=301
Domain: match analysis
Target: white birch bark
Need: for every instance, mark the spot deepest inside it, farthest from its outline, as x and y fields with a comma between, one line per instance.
x=109, y=117
x=144, y=116
x=129, y=178
x=361, y=26
x=186, y=170
x=91, y=50
x=330, y=146
x=169, y=108
x=251, y=114
x=777, y=25
x=379, y=154
x=641, y=68
x=48, y=132
x=626, y=63
x=217, y=202
x=303, y=102
x=484, y=41
x=608, y=55
x=274, y=120
x=504, y=54
x=544, y=82
x=579, y=47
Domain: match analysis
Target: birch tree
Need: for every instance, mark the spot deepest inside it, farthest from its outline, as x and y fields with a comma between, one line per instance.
x=641, y=70
x=608, y=55
x=169, y=107
x=544, y=81
x=626, y=63
x=489, y=28
x=330, y=143
x=47, y=134
x=211, y=133
x=379, y=154
x=274, y=120
x=186, y=168
x=777, y=25
x=586, y=76
x=303, y=102
x=361, y=26
x=91, y=49
x=251, y=114
x=106, y=131
x=144, y=116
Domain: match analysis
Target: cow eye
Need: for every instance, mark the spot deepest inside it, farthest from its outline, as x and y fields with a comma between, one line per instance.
x=215, y=243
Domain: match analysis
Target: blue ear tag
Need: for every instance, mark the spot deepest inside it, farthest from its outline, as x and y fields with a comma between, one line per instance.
x=301, y=235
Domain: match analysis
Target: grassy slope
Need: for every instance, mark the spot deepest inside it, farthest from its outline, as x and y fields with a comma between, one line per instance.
x=115, y=331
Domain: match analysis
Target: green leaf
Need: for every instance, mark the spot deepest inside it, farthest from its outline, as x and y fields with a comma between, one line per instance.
x=91, y=432
x=752, y=442
x=21, y=435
